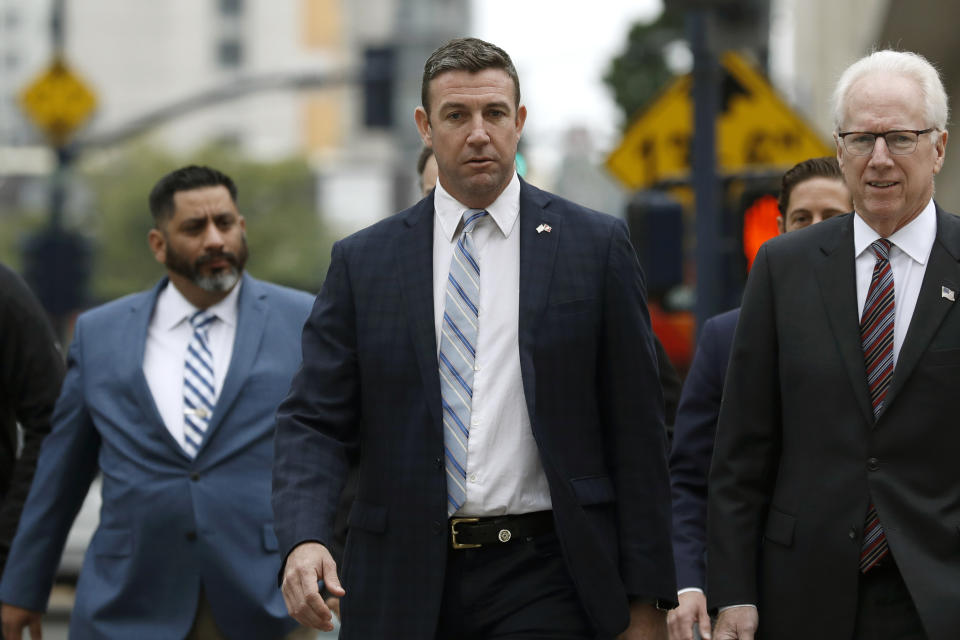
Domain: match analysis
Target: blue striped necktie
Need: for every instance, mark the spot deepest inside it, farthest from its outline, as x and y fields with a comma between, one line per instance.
x=876, y=334
x=199, y=393
x=458, y=341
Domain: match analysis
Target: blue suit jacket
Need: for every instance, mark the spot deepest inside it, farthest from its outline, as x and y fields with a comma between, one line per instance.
x=370, y=384
x=168, y=524
x=694, y=433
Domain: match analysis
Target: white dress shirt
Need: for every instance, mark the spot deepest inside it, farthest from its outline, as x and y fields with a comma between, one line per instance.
x=908, y=260
x=504, y=474
x=165, y=353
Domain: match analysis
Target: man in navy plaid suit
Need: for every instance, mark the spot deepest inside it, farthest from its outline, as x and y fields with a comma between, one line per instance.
x=561, y=526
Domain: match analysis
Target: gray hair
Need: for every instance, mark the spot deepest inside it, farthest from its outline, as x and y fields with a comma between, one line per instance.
x=907, y=64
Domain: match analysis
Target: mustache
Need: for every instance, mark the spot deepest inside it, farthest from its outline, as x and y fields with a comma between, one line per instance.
x=218, y=255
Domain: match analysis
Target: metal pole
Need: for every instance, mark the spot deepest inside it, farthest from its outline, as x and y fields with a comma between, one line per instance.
x=59, y=178
x=61, y=172
x=706, y=97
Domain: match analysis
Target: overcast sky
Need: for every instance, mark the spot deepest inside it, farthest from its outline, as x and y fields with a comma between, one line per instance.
x=561, y=49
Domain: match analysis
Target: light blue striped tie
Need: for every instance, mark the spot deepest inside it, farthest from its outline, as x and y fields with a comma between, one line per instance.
x=199, y=393
x=458, y=340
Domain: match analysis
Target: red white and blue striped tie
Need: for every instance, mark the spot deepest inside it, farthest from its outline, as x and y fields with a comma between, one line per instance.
x=876, y=335
x=458, y=342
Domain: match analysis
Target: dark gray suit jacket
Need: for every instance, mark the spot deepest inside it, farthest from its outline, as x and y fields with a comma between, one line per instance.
x=799, y=454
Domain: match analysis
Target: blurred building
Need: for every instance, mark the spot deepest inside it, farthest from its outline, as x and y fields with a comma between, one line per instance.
x=142, y=55
x=582, y=177
x=24, y=49
x=822, y=37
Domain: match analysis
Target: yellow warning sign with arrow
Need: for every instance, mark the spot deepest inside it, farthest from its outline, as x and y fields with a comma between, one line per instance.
x=756, y=129
x=58, y=102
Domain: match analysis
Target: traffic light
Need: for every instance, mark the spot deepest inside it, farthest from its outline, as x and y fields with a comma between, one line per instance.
x=760, y=213
x=57, y=267
x=379, y=70
x=656, y=229
x=736, y=24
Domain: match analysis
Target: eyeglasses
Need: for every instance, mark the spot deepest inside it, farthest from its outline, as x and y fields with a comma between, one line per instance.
x=900, y=142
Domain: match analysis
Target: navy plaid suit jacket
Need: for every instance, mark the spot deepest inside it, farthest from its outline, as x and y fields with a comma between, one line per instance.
x=369, y=386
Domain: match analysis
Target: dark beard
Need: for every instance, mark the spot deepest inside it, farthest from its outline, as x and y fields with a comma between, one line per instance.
x=220, y=280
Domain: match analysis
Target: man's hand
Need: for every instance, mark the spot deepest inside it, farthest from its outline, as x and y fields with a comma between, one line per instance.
x=737, y=623
x=308, y=563
x=692, y=611
x=15, y=620
x=646, y=623
x=334, y=605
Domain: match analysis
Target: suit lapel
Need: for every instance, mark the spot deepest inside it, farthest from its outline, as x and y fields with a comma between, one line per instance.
x=538, y=250
x=942, y=271
x=415, y=271
x=837, y=277
x=131, y=368
x=252, y=307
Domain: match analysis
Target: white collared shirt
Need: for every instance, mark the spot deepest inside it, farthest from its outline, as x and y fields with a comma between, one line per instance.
x=908, y=260
x=504, y=474
x=165, y=353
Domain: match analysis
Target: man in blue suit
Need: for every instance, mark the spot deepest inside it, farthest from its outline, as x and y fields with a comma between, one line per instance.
x=170, y=394
x=810, y=192
x=486, y=356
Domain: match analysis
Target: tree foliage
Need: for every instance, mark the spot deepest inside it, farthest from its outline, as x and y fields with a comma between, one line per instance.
x=640, y=72
x=287, y=241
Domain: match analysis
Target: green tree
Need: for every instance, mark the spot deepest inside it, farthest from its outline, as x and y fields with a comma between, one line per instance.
x=17, y=223
x=640, y=72
x=288, y=243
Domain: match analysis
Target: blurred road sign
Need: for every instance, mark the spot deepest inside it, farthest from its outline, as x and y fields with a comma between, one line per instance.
x=58, y=102
x=756, y=129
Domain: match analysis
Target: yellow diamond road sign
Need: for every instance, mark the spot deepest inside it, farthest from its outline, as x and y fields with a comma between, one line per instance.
x=58, y=102
x=756, y=129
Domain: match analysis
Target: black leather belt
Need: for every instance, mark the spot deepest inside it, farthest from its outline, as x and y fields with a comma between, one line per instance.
x=471, y=533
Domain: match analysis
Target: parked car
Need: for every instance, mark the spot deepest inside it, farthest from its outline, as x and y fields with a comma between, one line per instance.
x=80, y=534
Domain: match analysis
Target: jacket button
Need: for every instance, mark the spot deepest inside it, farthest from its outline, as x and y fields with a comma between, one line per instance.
x=437, y=527
x=873, y=464
x=852, y=534
x=191, y=535
x=439, y=462
x=194, y=476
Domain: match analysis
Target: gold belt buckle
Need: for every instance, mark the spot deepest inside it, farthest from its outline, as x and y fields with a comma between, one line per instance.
x=453, y=533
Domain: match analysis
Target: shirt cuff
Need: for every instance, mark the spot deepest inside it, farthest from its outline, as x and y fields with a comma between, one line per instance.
x=734, y=606
x=689, y=589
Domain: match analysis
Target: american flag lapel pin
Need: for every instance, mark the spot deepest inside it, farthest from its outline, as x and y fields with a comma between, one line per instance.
x=948, y=293
x=544, y=227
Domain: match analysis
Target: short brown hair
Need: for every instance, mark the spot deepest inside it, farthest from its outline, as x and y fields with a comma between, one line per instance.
x=185, y=179
x=467, y=54
x=826, y=167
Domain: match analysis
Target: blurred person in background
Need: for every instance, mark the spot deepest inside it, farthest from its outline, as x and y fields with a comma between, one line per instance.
x=426, y=171
x=833, y=503
x=810, y=192
x=547, y=514
x=171, y=394
x=31, y=370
